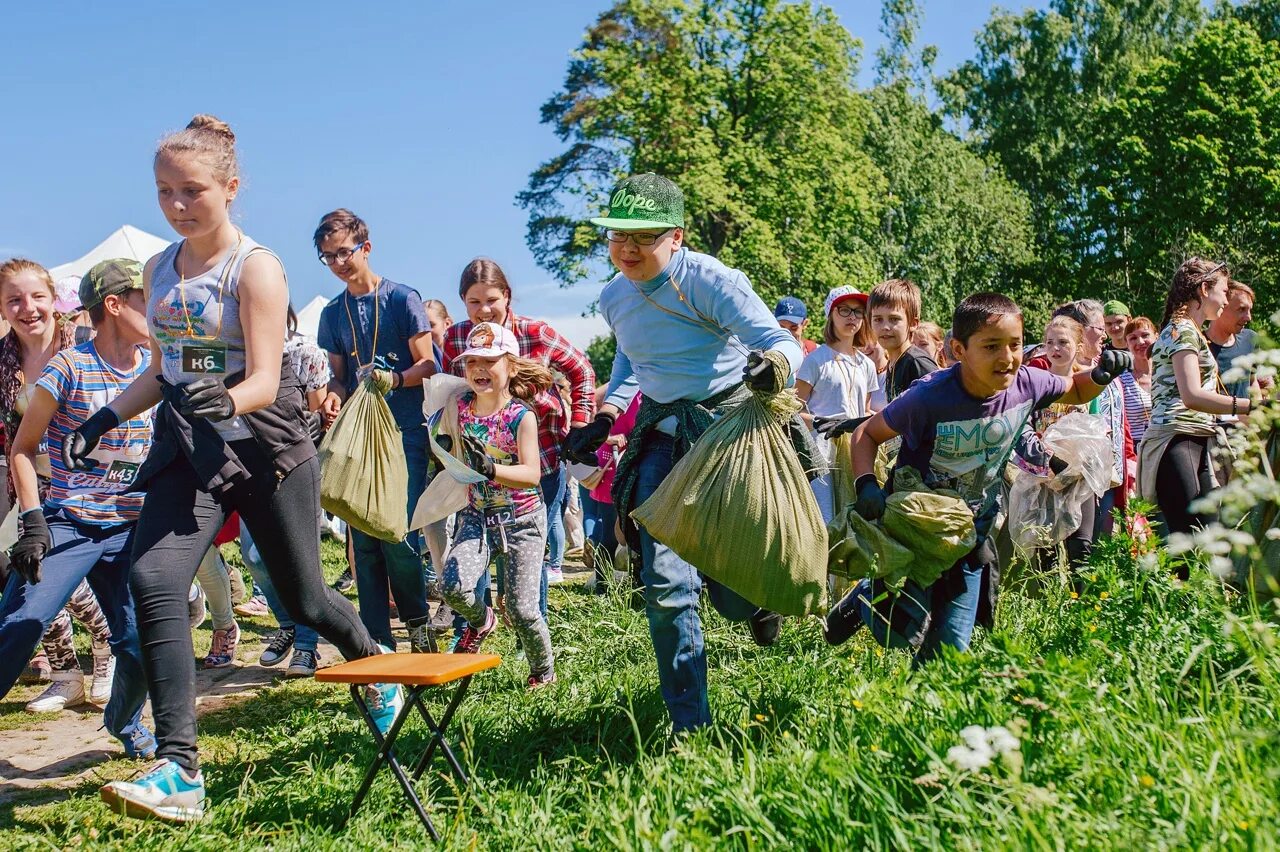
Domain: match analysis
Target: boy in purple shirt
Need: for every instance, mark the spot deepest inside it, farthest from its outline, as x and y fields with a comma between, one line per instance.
x=958, y=427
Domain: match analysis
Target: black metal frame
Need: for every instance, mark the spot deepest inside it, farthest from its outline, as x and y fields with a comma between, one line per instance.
x=386, y=746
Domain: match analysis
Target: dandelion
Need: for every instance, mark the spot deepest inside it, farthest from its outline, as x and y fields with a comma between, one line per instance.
x=1102, y=596
x=1075, y=596
x=875, y=747
x=1244, y=825
x=760, y=717
x=1093, y=628
x=1097, y=608
x=1146, y=781
x=857, y=705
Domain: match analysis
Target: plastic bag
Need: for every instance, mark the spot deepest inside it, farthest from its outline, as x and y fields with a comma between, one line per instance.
x=364, y=478
x=447, y=492
x=739, y=508
x=1081, y=440
x=936, y=526
x=1045, y=510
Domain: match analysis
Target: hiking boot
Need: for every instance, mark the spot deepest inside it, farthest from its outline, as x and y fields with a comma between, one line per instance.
x=222, y=652
x=196, y=609
x=255, y=607
x=844, y=619
x=104, y=671
x=766, y=626
x=278, y=646
x=344, y=582
x=303, y=663
x=166, y=793
x=385, y=700
x=469, y=642
x=537, y=681
x=67, y=690
x=38, y=669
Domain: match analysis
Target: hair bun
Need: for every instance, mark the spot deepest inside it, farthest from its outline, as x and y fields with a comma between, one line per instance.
x=213, y=124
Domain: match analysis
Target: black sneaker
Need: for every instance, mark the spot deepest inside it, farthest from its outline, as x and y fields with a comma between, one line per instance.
x=345, y=581
x=844, y=619
x=766, y=626
x=278, y=646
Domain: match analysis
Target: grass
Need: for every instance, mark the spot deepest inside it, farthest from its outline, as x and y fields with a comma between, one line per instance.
x=1146, y=709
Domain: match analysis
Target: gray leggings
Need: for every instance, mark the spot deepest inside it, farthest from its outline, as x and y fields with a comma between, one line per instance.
x=467, y=564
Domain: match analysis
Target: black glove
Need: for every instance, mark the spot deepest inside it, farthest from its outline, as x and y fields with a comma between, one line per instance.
x=475, y=456
x=445, y=441
x=871, y=497
x=830, y=427
x=581, y=443
x=208, y=398
x=759, y=374
x=315, y=426
x=81, y=441
x=1057, y=465
x=32, y=545
x=1112, y=363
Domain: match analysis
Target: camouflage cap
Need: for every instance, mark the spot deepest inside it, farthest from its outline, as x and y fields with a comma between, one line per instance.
x=115, y=276
x=644, y=201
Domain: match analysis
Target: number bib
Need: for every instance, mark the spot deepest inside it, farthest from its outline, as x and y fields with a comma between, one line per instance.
x=206, y=356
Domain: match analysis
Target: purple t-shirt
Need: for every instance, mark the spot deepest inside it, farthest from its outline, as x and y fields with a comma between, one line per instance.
x=961, y=442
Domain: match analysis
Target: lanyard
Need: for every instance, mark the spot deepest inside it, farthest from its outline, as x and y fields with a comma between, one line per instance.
x=355, y=339
x=222, y=282
x=703, y=320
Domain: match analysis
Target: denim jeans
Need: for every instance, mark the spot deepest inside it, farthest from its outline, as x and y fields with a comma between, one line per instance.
x=380, y=565
x=80, y=551
x=671, y=591
x=554, y=488
x=304, y=638
x=598, y=519
x=945, y=613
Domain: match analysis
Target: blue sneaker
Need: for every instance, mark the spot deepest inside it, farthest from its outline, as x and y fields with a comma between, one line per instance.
x=384, y=700
x=165, y=793
x=139, y=745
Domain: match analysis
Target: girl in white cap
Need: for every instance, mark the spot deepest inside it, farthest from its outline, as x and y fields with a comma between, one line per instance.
x=505, y=514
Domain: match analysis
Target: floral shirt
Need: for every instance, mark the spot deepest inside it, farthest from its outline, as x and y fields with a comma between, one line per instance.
x=498, y=433
x=1167, y=408
x=309, y=362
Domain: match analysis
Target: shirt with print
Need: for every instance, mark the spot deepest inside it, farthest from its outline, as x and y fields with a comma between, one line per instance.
x=81, y=382
x=841, y=383
x=1244, y=343
x=498, y=433
x=959, y=441
x=309, y=362
x=1167, y=408
x=347, y=329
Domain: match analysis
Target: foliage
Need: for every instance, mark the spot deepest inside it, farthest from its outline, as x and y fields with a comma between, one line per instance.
x=600, y=352
x=1188, y=158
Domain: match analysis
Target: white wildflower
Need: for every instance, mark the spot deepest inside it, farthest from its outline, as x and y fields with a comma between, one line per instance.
x=1001, y=740
x=974, y=736
x=968, y=759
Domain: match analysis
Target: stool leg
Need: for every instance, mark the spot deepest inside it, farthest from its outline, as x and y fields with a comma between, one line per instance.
x=386, y=755
x=437, y=733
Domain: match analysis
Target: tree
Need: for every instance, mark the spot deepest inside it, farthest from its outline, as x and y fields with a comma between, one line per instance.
x=600, y=353
x=1189, y=162
x=749, y=105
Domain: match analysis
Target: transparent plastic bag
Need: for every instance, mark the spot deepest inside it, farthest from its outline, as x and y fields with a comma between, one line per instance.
x=1044, y=510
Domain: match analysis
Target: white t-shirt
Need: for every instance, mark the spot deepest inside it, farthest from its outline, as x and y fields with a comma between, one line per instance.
x=841, y=383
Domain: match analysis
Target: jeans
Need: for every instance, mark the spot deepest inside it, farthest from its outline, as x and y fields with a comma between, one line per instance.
x=399, y=565
x=598, y=519
x=671, y=591
x=926, y=619
x=80, y=551
x=304, y=638
x=554, y=490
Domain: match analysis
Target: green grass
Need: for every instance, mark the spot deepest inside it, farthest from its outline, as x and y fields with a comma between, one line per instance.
x=1147, y=713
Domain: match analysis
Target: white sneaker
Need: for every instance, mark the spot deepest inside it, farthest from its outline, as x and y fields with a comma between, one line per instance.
x=196, y=610
x=554, y=576
x=67, y=690
x=104, y=672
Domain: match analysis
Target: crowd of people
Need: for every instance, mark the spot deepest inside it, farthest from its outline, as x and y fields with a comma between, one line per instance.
x=177, y=408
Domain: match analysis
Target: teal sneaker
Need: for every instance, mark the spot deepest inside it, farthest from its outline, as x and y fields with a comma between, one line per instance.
x=384, y=700
x=165, y=793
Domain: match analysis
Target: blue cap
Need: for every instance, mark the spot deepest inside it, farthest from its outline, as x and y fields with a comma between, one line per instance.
x=791, y=309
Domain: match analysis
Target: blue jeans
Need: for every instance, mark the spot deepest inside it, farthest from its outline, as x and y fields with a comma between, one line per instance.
x=399, y=565
x=945, y=613
x=554, y=491
x=80, y=551
x=598, y=519
x=304, y=638
x=671, y=591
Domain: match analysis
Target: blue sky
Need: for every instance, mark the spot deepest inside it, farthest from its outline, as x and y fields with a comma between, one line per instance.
x=422, y=117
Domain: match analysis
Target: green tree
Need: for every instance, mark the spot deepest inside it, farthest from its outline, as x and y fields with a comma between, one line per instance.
x=749, y=105
x=600, y=353
x=1189, y=161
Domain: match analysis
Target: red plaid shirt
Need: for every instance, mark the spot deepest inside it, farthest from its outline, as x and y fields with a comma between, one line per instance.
x=542, y=343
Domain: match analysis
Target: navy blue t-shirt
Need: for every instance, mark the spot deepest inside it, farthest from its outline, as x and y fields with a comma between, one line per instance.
x=400, y=317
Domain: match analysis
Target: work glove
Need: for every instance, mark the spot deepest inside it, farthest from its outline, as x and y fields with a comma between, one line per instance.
x=1057, y=465
x=82, y=440
x=33, y=544
x=1112, y=363
x=759, y=374
x=830, y=427
x=445, y=440
x=581, y=443
x=473, y=453
x=207, y=398
x=871, y=498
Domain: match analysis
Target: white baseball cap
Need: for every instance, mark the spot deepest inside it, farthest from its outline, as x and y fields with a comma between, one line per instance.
x=490, y=340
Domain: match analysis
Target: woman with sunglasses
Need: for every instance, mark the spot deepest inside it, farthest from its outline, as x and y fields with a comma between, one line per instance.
x=1175, y=465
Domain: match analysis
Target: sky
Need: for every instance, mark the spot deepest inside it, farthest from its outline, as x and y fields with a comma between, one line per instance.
x=423, y=117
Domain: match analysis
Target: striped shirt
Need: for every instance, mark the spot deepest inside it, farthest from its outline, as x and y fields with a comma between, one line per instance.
x=81, y=382
x=1137, y=405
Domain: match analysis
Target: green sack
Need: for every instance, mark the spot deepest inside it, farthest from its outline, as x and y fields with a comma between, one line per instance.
x=862, y=549
x=936, y=526
x=364, y=478
x=739, y=509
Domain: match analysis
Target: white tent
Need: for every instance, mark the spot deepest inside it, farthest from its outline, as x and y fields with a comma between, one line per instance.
x=126, y=241
x=309, y=317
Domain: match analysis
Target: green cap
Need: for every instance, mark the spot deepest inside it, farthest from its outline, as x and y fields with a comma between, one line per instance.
x=644, y=201
x=115, y=276
x=1116, y=309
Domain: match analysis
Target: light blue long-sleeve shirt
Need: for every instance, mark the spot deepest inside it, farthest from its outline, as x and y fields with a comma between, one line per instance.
x=668, y=358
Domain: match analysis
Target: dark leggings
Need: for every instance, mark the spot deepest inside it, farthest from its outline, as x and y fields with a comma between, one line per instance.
x=1079, y=544
x=1182, y=478
x=178, y=523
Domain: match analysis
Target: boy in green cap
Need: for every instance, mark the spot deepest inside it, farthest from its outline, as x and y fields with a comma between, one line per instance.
x=1115, y=316
x=691, y=335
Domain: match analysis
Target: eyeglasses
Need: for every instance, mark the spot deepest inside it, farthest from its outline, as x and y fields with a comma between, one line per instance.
x=342, y=255
x=847, y=311
x=640, y=239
